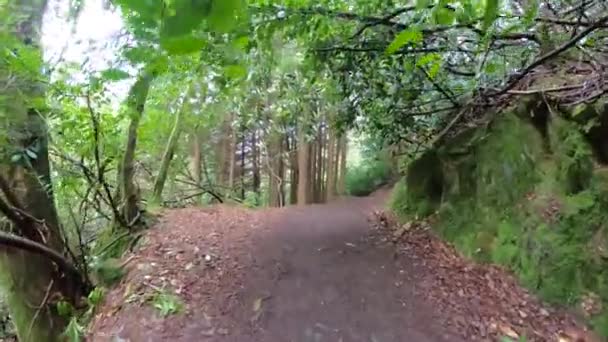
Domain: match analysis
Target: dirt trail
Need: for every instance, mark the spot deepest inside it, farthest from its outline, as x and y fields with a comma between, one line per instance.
x=321, y=278
x=311, y=274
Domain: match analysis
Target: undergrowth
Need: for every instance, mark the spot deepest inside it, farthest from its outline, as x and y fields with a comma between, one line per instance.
x=368, y=176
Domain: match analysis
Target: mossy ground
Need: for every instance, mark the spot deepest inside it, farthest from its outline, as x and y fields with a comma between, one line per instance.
x=531, y=199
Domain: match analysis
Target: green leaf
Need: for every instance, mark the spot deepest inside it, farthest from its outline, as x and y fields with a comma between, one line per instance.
x=434, y=69
x=428, y=59
x=114, y=74
x=443, y=16
x=490, y=14
x=181, y=45
x=467, y=13
x=183, y=16
x=241, y=43
x=411, y=35
x=422, y=4
x=235, y=71
x=74, y=331
x=224, y=14
x=96, y=296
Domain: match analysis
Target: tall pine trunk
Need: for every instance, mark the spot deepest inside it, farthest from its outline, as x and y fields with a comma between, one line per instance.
x=331, y=164
x=275, y=170
x=255, y=161
x=303, y=167
x=342, y=162
x=312, y=162
x=232, y=159
x=293, y=169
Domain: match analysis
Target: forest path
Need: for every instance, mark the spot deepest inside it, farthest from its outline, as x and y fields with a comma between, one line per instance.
x=312, y=274
x=319, y=276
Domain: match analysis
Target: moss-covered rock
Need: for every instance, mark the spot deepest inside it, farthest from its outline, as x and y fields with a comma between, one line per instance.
x=525, y=193
x=424, y=182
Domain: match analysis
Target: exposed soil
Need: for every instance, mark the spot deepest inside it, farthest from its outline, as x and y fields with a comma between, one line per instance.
x=315, y=273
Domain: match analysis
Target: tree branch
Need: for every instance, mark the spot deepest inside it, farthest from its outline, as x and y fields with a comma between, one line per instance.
x=14, y=241
x=552, y=54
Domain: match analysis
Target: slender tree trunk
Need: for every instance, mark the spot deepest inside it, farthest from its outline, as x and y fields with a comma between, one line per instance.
x=223, y=152
x=275, y=170
x=303, y=168
x=161, y=178
x=31, y=284
x=342, y=172
x=322, y=165
x=243, y=166
x=232, y=159
x=255, y=158
x=331, y=164
x=336, y=169
x=129, y=194
x=293, y=169
x=312, y=156
x=195, y=157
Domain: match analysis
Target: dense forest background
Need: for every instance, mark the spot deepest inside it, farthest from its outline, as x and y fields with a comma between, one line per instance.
x=273, y=103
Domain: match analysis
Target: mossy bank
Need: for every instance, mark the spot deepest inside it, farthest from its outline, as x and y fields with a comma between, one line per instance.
x=527, y=189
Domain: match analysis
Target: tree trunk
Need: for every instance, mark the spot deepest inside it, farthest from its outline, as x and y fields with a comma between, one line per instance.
x=303, y=168
x=232, y=159
x=293, y=170
x=223, y=151
x=161, y=178
x=275, y=171
x=255, y=162
x=342, y=172
x=337, y=158
x=322, y=164
x=331, y=164
x=129, y=194
x=243, y=166
x=195, y=157
x=312, y=162
x=28, y=280
x=281, y=174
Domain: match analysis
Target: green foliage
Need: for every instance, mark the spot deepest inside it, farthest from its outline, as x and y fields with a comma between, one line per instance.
x=252, y=199
x=167, y=304
x=490, y=13
x=410, y=36
x=363, y=179
x=74, y=332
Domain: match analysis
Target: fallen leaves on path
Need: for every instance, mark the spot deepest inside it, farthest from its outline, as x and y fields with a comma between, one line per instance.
x=485, y=302
x=192, y=254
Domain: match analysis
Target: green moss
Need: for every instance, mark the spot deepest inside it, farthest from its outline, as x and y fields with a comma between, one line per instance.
x=398, y=200
x=573, y=155
x=424, y=181
x=525, y=199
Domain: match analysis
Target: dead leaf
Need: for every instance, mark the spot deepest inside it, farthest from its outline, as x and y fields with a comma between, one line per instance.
x=508, y=331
